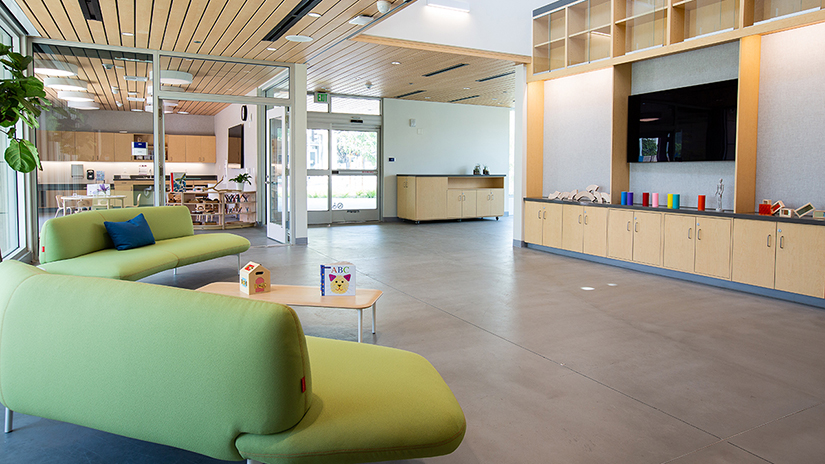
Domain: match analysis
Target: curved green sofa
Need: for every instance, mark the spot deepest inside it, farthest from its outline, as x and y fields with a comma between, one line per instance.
x=226, y=377
x=78, y=244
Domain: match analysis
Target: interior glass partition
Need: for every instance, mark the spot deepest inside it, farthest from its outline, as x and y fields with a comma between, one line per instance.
x=9, y=197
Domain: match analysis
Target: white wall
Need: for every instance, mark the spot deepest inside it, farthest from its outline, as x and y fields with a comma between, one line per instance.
x=689, y=180
x=448, y=139
x=577, y=131
x=790, y=160
x=230, y=117
x=421, y=23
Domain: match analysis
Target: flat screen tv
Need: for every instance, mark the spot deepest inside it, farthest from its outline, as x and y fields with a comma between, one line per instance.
x=235, y=152
x=687, y=124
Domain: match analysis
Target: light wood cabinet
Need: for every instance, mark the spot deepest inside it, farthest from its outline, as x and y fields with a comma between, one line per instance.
x=425, y=198
x=104, y=146
x=543, y=223
x=799, y=264
x=123, y=147
x=700, y=245
x=754, y=252
x=200, y=149
x=679, y=240
x=595, y=231
x=620, y=234
x=461, y=204
x=208, y=149
x=647, y=238
x=176, y=148
x=533, y=222
x=572, y=229
x=85, y=146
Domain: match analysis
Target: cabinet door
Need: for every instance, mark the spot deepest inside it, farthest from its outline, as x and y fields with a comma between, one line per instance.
x=712, y=247
x=85, y=146
x=647, y=238
x=401, y=197
x=620, y=234
x=469, y=199
x=533, y=220
x=66, y=146
x=552, y=228
x=454, y=203
x=483, y=202
x=105, y=146
x=193, y=147
x=754, y=252
x=496, y=202
x=595, y=231
x=430, y=198
x=176, y=148
x=208, y=153
x=123, y=147
x=799, y=264
x=572, y=230
x=679, y=242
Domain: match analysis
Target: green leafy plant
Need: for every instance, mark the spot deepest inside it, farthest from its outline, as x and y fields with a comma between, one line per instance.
x=242, y=178
x=21, y=98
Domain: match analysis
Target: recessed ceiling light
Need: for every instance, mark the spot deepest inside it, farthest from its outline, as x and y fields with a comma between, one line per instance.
x=119, y=67
x=188, y=59
x=466, y=88
x=131, y=94
x=84, y=105
x=134, y=78
x=128, y=34
x=396, y=62
x=65, y=83
x=426, y=98
x=587, y=289
x=183, y=112
x=170, y=77
x=69, y=95
x=54, y=68
x=298, y=38
x=272, y=49
x=137, y=109
x=134, y=99
x=314, y=15
x=119, y=104
x=360, y=20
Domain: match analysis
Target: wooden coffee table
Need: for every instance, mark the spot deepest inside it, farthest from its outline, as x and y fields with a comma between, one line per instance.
x=296, y=295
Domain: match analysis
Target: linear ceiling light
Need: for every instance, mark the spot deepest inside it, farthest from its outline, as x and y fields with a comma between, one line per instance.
x=65, y=83
x=361, y=20
x=55, y=68
x=91, y=10
x=84, y=105
x=465, y=98
x=445, y=70
x=411, y=93
x=71, y=96
x=168, y=77
x=495, y=77
x=291, y=18
x=455, y=5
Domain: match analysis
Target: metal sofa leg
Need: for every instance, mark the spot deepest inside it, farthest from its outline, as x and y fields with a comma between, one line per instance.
x=239, y=263
x=9, y=420
x=252, y=461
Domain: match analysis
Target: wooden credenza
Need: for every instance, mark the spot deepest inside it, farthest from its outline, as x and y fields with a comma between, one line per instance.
x=438, y=197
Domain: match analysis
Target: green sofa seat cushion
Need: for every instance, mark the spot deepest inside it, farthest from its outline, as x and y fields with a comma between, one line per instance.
x=133, y=264
x=201, y=247
x=369, y=404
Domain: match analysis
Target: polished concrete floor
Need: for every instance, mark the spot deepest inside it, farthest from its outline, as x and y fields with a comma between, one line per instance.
x=640, y=369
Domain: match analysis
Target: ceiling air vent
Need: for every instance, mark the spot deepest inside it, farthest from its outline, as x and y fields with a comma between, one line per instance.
x=495, y=77
x=91, y=10
x=465, y=98
x=411, y=93
x=300, y=10
x=445, y=70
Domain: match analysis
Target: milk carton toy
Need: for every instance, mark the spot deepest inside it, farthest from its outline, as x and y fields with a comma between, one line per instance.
x=254, y=279
x=338, y=279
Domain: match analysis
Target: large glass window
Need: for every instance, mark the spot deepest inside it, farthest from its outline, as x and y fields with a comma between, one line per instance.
x=9, y=197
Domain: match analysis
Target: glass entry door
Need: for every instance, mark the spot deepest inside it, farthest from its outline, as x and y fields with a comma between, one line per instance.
x=277, y=176
x=342, y=175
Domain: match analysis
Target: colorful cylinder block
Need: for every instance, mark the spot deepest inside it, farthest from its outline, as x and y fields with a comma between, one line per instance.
x=669, y=201
x=630, y=198
x=701, y=203
x=624, y=198
x=676, y=200
x=655, y=200
x=645, y=199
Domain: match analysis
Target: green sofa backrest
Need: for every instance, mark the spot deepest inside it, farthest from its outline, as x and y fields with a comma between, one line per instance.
x=83, y=233
x=183, y=368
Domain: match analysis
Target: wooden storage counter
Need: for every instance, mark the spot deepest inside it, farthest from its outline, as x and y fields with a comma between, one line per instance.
x=435, y=197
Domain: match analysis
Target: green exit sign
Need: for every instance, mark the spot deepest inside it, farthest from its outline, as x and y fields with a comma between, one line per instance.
x=321, y=97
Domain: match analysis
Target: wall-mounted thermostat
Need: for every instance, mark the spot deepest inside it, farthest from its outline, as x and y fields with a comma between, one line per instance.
x=412, y=122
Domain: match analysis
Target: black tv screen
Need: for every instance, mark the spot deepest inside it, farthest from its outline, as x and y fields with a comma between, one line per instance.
x=687, y=124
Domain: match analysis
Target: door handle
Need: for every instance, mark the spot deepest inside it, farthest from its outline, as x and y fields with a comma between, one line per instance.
x=698, y=234
x=689, y=230
x=539, y=214
x=636, y=227
x=580, y=218
x=585, y=219
x=545, y=214
x=628, y=226
x=782, y=242
x=769, y=240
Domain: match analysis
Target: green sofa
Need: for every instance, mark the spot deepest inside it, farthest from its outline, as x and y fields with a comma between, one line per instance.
x=78, y=244
x=226, y=377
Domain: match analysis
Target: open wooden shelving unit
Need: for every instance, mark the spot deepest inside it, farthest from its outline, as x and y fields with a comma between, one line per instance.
x=570, y=33
x=221, y=209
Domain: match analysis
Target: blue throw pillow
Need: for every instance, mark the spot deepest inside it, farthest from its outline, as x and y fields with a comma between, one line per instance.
x=133, y=233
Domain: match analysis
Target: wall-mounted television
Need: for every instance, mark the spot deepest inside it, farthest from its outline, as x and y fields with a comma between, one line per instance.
x=695, y=123
x=234, y=155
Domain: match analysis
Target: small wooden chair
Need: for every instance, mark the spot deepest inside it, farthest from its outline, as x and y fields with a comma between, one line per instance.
x=61, y=205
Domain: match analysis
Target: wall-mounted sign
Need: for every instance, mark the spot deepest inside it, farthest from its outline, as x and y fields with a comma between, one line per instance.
x=321, y=97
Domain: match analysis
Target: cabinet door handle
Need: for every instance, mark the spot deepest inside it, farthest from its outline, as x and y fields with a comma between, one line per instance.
x=545, y=214
x=689, y=230
x=585, y=219
x=580, y=218
x=540, y=214
x=636, y=227
x=698, y=234
x=628, y=226
x=782, y=242
x=769, y=240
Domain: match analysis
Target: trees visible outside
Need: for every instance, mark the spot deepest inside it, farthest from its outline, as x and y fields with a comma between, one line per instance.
x=355, y=149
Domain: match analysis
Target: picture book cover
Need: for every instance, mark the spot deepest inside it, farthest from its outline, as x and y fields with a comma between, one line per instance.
x=338, y=279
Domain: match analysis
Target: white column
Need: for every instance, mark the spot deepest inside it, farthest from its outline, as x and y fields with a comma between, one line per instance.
x=520, y=155
x=299, y=158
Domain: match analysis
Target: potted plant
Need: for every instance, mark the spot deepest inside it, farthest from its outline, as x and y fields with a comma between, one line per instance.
x=241, y=179
x=477, y=170
x=486, y=170
x=21, y=98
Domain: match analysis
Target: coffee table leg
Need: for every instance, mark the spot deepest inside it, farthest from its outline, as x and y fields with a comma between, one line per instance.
x=373, y=317
x=360, y=322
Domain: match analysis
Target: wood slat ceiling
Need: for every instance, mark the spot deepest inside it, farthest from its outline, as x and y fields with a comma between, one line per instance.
x=234, y=28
